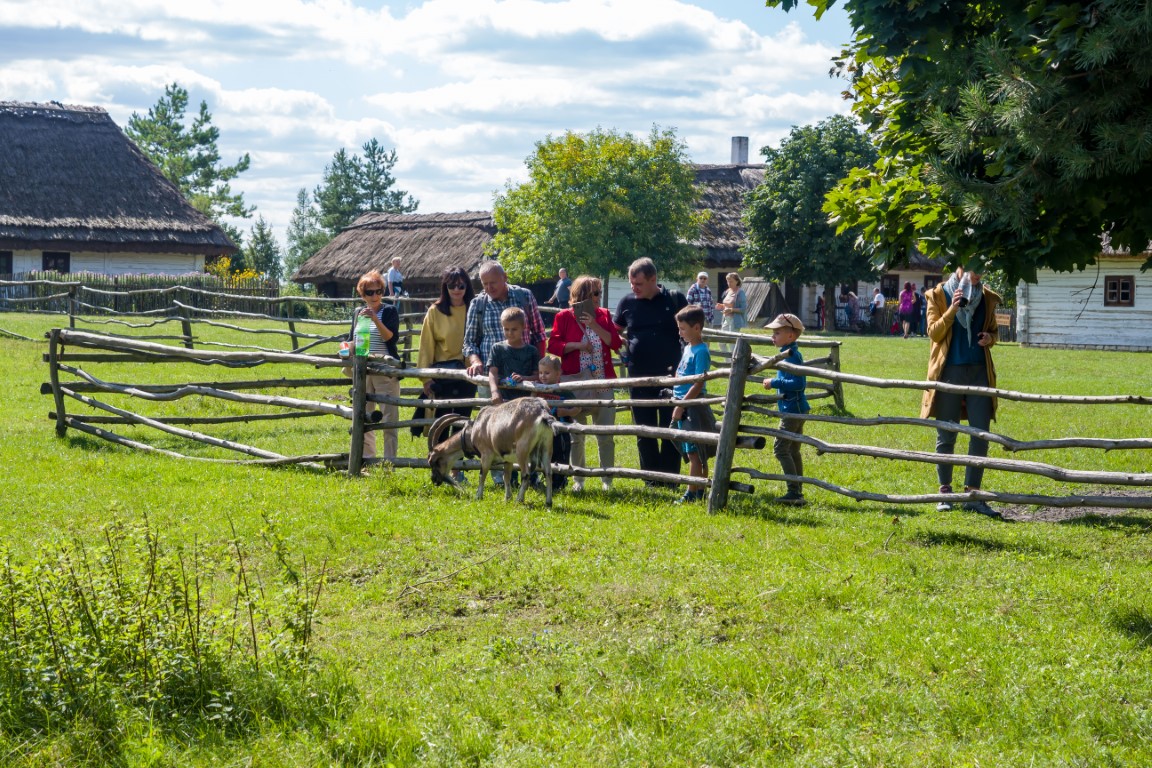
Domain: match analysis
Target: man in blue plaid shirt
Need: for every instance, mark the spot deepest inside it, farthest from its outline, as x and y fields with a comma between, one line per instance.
x=482, y=327
x=700, y=295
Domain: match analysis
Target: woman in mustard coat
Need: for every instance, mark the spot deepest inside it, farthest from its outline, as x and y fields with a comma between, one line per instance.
x=962, y=328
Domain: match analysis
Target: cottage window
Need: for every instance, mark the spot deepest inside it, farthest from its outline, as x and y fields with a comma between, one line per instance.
x=5, y=262
x=890, y=286
x=1119, y=291
x=57, y=261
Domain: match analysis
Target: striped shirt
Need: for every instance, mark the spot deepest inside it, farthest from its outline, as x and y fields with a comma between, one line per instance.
x=390, y=319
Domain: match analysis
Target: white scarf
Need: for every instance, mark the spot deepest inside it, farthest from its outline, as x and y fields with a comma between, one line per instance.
x=964, y=314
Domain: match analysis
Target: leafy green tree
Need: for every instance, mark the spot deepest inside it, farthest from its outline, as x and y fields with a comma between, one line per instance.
x=305, y=235
x=595, y=202
x=188, y=156
x=263, y=252
x=1016, y=131
x=789, y=235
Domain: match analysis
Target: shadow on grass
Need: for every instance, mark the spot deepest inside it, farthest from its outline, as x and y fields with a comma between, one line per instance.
x=964, y=541
x=774, y=513
x=868, y=508
x=94, y=444
x=563, y=506
x=1136, y=623
x=1139, y=524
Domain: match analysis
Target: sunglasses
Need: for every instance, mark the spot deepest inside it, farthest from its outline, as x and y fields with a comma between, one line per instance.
x=373, y=291
x=457, y=287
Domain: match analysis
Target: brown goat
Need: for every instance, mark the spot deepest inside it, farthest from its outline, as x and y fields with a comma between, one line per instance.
x=520, y=430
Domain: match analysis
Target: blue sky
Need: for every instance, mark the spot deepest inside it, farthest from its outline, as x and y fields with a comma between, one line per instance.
x=463, y=89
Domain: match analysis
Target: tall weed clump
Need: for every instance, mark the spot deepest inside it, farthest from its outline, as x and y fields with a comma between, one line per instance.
x=184, y=637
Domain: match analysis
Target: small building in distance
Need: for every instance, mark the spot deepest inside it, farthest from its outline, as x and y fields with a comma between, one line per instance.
x=1107, y=306
x=77, y=195
x=427, y=244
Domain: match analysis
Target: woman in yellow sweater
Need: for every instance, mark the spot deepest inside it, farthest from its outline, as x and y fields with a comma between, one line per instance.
x=442, y=341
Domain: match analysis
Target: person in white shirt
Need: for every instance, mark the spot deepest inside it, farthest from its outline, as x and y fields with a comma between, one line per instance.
x=393, y=280
x=876, y=308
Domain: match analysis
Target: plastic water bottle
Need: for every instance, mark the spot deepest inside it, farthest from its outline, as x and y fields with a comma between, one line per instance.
x=965, y=290
x=345, y=348
x=363, y=335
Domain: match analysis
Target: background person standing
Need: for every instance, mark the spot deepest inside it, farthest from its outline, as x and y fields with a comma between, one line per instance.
x=701, y=295
x=734, y=307
x=563, y=293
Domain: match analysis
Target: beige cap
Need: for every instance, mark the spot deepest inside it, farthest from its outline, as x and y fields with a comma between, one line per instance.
x=702, y=274
x=787, y=321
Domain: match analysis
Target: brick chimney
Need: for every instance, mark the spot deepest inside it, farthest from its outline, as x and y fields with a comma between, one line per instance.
x=740, y=150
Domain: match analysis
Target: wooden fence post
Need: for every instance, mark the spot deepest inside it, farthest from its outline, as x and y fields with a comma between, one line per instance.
x=406, y=355
x=291, y=324
x=837, y=386
x=186, y=324
x=54, y=377
x=359, y=400
x=729, y=428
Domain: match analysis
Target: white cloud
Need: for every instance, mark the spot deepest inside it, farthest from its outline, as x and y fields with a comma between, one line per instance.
x=462, y=88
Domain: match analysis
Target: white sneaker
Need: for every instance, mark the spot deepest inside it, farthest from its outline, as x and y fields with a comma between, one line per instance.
x=606, y=484
x=577, y=484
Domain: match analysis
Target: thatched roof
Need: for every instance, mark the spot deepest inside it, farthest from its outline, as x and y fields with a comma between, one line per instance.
x=722, y=189
x=427, y=244
x=71, y=180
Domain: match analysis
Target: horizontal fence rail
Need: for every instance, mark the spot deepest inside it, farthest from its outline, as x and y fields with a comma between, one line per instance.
x=70, y=349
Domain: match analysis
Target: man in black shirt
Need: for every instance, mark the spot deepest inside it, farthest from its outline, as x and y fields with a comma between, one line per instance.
x=648, y=319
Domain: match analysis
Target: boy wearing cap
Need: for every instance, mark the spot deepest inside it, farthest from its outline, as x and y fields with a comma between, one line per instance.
x=700, y=295
x=786, y=329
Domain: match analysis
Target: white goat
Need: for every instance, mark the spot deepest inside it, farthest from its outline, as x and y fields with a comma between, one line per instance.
x=520, y=430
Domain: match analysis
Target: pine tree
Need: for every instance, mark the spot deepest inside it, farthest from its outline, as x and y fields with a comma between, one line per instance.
x=188, y=155
x=263, y=252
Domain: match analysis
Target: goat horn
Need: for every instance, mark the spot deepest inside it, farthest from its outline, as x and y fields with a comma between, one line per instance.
x=439, y=425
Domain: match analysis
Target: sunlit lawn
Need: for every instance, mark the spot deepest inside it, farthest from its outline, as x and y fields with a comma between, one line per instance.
x=619, y=629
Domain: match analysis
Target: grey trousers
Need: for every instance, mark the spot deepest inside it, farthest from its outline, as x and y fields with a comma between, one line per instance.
x=788, y=452
x=948, y=406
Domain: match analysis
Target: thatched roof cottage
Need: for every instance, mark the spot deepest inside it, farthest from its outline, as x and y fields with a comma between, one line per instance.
x=77, y=195
x=427, y=244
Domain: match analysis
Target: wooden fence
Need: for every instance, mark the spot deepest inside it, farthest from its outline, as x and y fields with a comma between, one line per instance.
x=71, y=351
x=190, y=306
x=69, y=348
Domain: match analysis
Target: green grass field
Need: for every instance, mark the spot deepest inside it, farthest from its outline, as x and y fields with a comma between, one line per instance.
x=617, y=629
